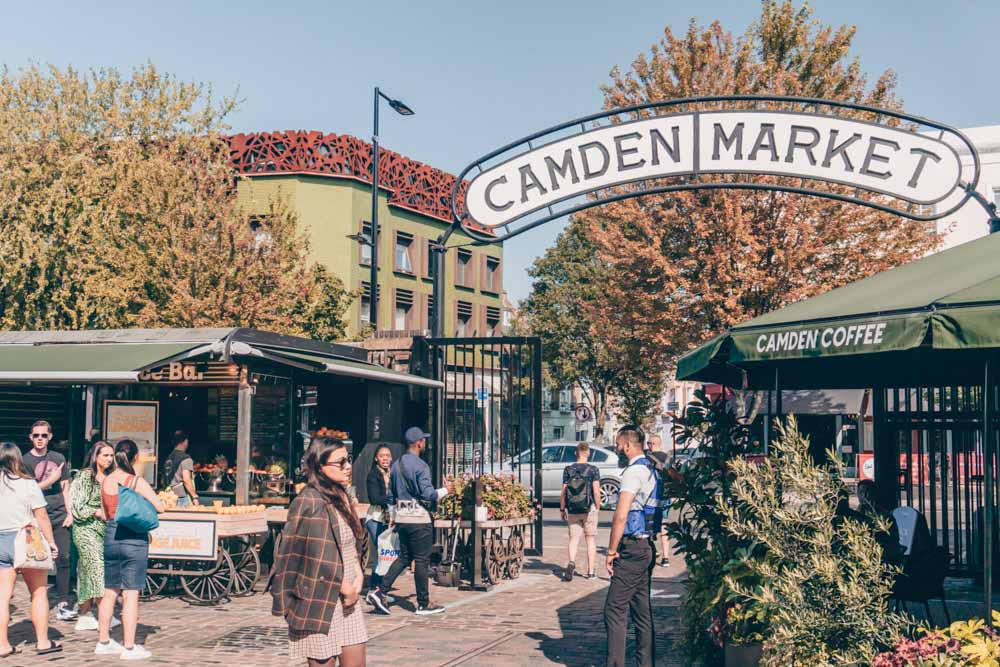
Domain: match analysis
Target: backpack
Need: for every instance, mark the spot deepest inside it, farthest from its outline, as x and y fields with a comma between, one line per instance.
x=579, y=494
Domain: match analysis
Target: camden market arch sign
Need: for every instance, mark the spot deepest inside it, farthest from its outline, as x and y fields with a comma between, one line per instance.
x=882, y=159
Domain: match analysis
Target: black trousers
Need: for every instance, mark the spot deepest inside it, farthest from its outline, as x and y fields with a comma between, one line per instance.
x=628, y=595
x=61, y=535
x=416, y=540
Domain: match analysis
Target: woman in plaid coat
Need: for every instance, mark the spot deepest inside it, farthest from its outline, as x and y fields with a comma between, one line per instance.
x=317, y=569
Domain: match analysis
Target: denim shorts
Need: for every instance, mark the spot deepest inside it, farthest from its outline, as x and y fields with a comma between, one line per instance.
x=7, y=539
x=126, y=555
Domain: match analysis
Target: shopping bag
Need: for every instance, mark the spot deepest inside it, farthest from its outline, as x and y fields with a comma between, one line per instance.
x=32, y=550
x=135, y=512
x=388, y=551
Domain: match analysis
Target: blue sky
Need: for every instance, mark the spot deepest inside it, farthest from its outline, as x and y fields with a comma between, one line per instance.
x=478, y=74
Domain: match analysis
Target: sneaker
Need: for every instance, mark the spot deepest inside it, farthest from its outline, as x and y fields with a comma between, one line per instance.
x=664, y=562
x=65, y=613
x=377, y=599
x=115, y=622
x=590, y=575
x=111, y=648
x=137, y=652
x=85, y=622
x=568, y=573
x=429, y=610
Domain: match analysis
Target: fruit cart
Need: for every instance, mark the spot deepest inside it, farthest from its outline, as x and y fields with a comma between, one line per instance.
x=210, y=551
x=502, y=545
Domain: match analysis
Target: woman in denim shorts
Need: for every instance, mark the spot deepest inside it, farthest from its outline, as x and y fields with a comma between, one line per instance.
x=22, y=503
x=126, y=554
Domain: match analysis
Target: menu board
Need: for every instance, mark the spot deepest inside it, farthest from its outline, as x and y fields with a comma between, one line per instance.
x=271, y=418
x=137, y=421
x=184, y=538
x=227, y=414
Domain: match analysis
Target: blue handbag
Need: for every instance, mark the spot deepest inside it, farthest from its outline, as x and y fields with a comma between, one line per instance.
x=135, y=512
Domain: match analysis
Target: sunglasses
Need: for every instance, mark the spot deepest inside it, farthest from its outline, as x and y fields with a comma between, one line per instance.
x=342, y=463
x=43, y=436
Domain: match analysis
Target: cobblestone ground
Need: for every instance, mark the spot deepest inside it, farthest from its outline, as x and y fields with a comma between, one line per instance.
x=536, y=619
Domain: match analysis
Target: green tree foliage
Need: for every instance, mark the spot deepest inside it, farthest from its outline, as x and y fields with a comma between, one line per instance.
x=118, y=209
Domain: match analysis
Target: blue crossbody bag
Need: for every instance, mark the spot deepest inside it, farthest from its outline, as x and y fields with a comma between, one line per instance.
x=135, y=512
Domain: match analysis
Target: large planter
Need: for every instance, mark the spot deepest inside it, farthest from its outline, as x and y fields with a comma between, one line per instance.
x=743, y=655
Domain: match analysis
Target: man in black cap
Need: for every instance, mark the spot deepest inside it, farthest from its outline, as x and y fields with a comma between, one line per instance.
x=410, y=495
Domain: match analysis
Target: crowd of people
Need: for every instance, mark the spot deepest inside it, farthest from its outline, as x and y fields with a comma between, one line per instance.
x=41, y=510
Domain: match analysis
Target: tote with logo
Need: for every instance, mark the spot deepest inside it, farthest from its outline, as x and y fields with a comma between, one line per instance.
x=32, y=550
x=388, y=551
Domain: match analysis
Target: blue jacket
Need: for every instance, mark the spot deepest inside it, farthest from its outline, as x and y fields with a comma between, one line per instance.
x=410, y=479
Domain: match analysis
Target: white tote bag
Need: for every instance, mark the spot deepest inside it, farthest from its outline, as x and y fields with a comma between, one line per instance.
x=388, y=551
x=31, y=550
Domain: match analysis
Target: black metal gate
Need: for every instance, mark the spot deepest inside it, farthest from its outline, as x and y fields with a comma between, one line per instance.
x=935, y=446
x=490, y=412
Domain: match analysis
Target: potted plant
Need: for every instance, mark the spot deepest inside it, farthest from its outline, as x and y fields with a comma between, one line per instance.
x=746, y=623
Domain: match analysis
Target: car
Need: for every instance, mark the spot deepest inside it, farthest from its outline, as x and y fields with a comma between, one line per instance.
x=557, y=455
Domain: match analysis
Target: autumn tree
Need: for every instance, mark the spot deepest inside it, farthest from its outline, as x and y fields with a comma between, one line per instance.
x=118, y=208
x=568, y=285
x=686, y=266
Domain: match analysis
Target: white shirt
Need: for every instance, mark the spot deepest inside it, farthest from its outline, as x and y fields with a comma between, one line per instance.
x=18, y=498
x=640, y=480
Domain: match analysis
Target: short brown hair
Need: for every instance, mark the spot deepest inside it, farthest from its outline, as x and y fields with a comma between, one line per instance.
x=41, y=422
x=582, y=448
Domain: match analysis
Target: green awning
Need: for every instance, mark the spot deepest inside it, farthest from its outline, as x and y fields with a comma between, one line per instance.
x=103, y=362
x=350, y=368
x=855, y=335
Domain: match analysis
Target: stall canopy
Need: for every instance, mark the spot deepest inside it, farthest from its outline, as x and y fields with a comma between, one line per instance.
x=927, y=322
x=119, y=355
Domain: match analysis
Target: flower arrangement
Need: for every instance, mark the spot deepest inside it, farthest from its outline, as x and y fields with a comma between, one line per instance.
x=503, y=497
x=962, y=644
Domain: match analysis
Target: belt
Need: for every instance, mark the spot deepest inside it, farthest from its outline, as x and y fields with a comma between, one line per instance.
x=636, y=537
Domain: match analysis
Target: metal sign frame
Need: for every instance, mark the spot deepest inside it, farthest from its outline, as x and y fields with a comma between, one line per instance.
x=692, y=180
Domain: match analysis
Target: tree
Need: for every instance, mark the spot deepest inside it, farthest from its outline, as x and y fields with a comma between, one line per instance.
x=685, y=266
x=568, y=284
x=118, y=208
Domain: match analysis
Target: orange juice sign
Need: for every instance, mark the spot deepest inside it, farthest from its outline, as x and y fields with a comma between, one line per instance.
x=190, y=539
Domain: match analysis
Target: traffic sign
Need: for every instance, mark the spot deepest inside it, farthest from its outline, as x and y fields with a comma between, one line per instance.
x=582, y=413
x=482, y=394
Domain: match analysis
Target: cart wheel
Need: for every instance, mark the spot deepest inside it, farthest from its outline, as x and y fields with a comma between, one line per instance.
x=496, y=557
x=156, y=581
x=246, y=564
x=216, y=582
x=515, y=554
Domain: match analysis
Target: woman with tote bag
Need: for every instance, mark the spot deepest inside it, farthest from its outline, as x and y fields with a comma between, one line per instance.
x=377, y=518
x=126, y=552
x=24, y=531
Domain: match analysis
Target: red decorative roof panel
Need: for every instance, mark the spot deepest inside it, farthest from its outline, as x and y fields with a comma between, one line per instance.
x=412, y=185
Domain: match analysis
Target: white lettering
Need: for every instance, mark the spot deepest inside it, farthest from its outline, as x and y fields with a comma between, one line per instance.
x=813, y=336
x=839, y=336
x=869, y=331
x=761, y=339
x=825, y=339
x=879, y=331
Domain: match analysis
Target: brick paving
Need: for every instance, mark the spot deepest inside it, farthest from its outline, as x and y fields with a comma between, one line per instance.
x=534, y=620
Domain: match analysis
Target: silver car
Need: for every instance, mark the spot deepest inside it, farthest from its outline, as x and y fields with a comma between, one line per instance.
x=557, y=455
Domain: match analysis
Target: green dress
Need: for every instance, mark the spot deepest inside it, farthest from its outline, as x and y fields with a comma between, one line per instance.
x=88, y=536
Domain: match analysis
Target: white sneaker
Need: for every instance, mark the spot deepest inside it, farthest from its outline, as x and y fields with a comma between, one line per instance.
x=111, y=648
x=65, y=613
x=137, y=652
x=115, y=622
x=86, y=622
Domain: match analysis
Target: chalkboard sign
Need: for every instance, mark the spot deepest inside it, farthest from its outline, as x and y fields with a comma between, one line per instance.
x=271, y=418
x=227, y=414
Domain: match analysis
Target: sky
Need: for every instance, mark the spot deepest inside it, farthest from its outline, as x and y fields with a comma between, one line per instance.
x=478, y=74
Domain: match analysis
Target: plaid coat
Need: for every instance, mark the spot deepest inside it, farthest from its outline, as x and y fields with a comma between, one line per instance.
x=309, y=568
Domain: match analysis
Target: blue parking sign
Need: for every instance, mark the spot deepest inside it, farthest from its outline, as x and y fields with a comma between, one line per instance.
x=482, y=394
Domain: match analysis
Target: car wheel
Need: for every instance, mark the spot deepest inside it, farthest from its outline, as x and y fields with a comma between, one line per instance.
x=609, y=493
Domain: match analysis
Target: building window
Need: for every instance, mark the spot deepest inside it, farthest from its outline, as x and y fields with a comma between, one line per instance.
x=581, y=436
x=463, y=269
x=430, y=310
x=996, y=197
x=365, y=303
x=463, y=326
x=557, y=432
x=404, y=247
x=492, y=321
x=366, y=250
x=565, y=399
x=491, y=283
x=402, y=313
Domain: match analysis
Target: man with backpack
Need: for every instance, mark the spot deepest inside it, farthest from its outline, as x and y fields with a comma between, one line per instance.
x=632, y=553
x=578, y=504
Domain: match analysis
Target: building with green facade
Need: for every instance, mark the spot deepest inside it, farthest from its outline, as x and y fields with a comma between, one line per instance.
x=326, y=179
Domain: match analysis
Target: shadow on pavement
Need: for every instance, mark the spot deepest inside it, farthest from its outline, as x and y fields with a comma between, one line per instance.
x=583, y=642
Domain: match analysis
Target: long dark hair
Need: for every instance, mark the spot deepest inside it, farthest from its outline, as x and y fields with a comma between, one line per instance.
x=11, y=463
x=125, y=453
x=318, y=453
x=91, y=460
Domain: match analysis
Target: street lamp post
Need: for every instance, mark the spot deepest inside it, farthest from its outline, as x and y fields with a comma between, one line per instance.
x=403, y=110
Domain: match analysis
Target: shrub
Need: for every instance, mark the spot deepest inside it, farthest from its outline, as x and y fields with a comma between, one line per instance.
x=503, y=497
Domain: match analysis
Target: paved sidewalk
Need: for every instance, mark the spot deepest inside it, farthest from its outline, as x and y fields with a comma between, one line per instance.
x=534, y=620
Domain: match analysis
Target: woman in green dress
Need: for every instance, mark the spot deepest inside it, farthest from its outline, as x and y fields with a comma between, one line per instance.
x=88, y=531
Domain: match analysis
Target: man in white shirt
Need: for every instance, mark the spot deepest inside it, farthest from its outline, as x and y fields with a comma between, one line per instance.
x=630, y=553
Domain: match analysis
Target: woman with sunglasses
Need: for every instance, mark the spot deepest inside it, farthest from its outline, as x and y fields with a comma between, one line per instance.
x=318, y=575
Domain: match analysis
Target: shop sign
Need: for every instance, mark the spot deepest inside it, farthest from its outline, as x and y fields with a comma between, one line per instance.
x=183, y=538
x=137, y=421
x=173, y=372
